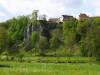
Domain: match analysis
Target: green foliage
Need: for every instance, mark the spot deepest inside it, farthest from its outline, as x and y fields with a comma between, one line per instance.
x=34, y=39
x=83, y=28
x=69, y=31
x=90, y=43
x=66, y=59
x=55, y=39
x=16, y=29
x=21, y=55
x=17, y=26
x=43, y=45
x=3, y=39
x=68, y=38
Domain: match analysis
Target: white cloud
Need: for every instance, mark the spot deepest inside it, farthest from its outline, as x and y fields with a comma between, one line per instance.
x=52, y=8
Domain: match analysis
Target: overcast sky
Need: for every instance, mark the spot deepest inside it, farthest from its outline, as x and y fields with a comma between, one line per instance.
x=52, y=8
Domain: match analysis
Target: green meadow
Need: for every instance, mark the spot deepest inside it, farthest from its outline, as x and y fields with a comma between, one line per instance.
x=19, y=68
x=50, y=66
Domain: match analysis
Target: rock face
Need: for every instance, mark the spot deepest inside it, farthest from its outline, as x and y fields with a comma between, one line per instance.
x=43, y=24
x=38, y=27
x=32, y=28
x=28, y=31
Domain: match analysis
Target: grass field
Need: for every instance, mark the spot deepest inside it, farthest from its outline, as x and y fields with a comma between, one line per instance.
x=17, y=68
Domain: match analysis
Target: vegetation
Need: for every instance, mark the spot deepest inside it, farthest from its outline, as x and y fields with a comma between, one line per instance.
x=14, y=68
x=71, y=36
x=25, y=39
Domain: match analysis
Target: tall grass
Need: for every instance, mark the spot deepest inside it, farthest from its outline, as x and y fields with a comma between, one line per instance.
x=50, y=59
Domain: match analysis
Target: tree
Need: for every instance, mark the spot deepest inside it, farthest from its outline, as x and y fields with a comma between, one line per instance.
x=90, y=44
x=69, y=31
x=34, y=39
x=55, y=40
x=83, y=29
x=43, y=45
x=16, y=30
x=3, y=39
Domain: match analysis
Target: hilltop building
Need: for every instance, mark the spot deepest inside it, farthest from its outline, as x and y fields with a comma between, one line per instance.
x=60, y=19
x=83, y=16
x=65, y=17
x=54, y=20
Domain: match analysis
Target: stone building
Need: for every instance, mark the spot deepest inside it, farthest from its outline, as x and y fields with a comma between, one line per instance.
x=54, y=20
x=60, y=19
x=83, y=16
x=65, y=17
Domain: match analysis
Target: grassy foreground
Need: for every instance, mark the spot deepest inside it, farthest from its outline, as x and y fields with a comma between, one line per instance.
x=16, y=68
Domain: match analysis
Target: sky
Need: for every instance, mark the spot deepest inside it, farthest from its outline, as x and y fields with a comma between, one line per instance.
x=51, y=8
